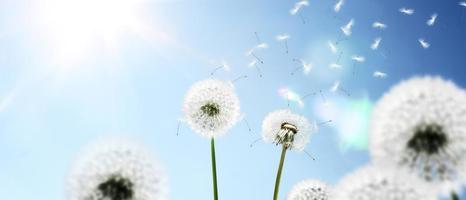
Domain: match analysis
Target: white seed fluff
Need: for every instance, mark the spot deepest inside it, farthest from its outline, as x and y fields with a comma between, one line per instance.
x=211, y=107
x=379, y=183
x=420, y=125
x=309, y=190
x=273, y=131
x=135, y=174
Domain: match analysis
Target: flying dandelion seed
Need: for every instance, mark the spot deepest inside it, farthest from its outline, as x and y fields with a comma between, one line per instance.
x=359, y=59
x=305, y=67
x=333, y=47
x=347, y=28
x=335, y=86
x=432, y=19
x=407, y=11
x=379, y=74
x=382, y=183
x=310, y=190
x=116, y=169
x=376, y=43
x=284, y=38
x=253, y=63
x=335, y=66
x=419, y=125
x=462, y=3
x=379, y=25
x=338, y=5
x=291, y=131
x=223, y=66
x=424, y=44
x=298, y=6
x=290, y=95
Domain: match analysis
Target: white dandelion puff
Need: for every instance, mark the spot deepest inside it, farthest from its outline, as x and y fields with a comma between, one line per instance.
x=379, y=74
x=116, y=169
x=360, y=59
x=335, y=86
x=424, y=44
x=376, y=43
x=347, y=28
x=419, y=125
x=338, y=5
x=211, y=107
x=407, y=11
x=332, y=47
x=335, y=66
x=379, y=25
x=310, y=190
x=298, y=6
x=432, y=19
x=462, y=3
x=381, y=183
x=283, y=127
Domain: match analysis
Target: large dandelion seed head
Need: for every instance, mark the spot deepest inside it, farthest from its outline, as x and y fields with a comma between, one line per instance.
x=116, y=169
x=211, y=107
x=283, y=127
x=420, y=124
x=382, y=183
x=309, y=190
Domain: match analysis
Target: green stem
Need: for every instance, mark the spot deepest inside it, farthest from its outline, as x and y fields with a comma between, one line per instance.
x=279, y=173
x=454, y=196
x=214, y=168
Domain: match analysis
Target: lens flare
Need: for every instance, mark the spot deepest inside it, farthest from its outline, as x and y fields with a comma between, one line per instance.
x=351, y=120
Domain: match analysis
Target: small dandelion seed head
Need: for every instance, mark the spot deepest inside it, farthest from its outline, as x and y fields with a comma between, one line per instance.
x=211, y=107
x=419, y=125
x=382, y=183
x=116, y=169
x=283, y=127
x=310, y=190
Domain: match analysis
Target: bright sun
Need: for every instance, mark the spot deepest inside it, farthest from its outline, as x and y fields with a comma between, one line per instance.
x=73, y=27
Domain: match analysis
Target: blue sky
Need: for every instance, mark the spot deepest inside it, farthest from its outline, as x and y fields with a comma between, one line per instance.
x=72, y=72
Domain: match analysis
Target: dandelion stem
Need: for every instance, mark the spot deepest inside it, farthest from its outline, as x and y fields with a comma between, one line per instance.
x=279, y=173
x=214, y=168
x=454, y=196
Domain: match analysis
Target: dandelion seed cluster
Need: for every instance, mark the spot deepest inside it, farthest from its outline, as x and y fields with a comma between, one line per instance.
x=420, y=125
x=116, y=169
x=309, y=190
x=381, y=183
x=283, y=127
x=211, y=107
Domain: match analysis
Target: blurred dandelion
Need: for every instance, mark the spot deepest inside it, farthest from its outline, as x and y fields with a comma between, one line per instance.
x=211, y=107
x=309, y=190
x=376, y=43
x=291, y=131
x=298, y=6
x=116, y=169
x=420, y=125
x=379, y=74
x=432, y=19
x=381, y=183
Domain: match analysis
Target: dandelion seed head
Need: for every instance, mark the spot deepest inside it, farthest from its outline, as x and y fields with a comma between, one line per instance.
x=419, y=125
x=309, y=190
x=211, y=107
x=283, y=127
x=116, y=169
x=382, y=183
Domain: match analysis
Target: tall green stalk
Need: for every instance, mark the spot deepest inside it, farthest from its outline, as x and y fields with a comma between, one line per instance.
x=454, y=196
x=279, y=173
x=214, y=168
